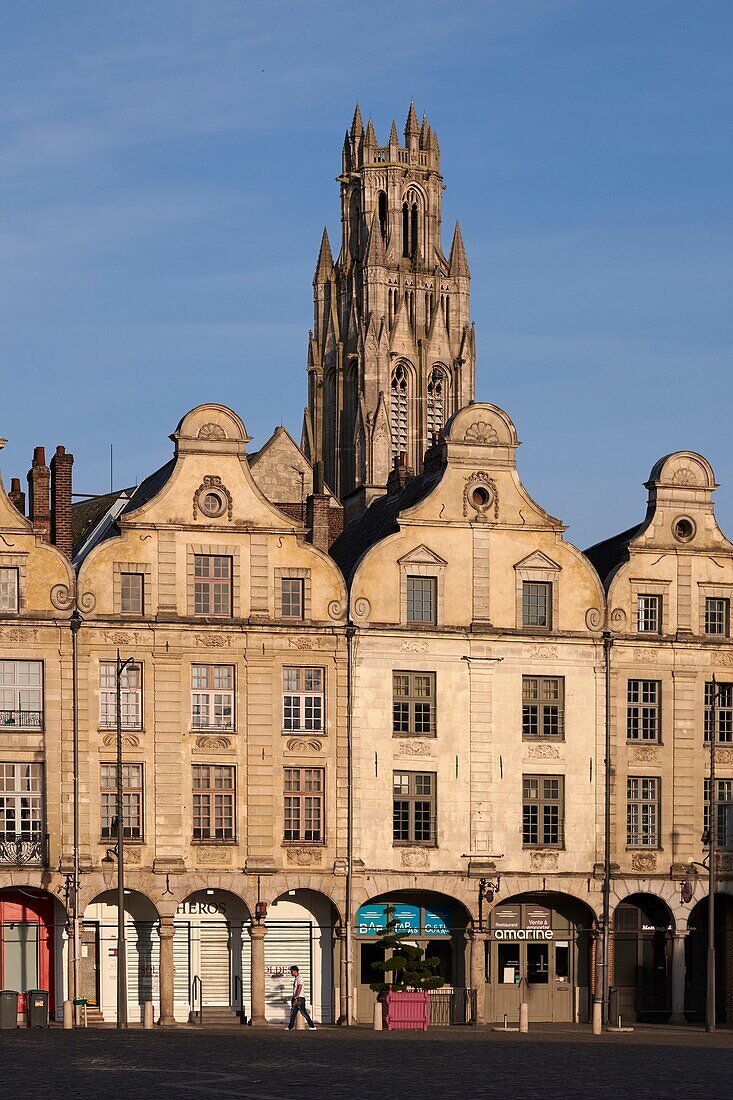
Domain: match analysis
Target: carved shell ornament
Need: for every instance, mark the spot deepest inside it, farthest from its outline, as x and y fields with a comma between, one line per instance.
x=684, y=476
x=481, y=432
x=211, y=431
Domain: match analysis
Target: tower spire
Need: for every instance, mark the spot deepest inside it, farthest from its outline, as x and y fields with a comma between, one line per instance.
x=458, y=264
x=412, y=126
x=357, y=126
x=324, y=267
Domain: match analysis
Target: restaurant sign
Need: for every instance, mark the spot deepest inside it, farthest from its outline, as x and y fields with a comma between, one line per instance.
x=521, y=922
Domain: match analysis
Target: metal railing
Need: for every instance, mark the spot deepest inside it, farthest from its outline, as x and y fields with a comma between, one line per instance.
x=23, y=719
x=197, y=998
x=456, y=1005
x=22, y=850
x=238, y=998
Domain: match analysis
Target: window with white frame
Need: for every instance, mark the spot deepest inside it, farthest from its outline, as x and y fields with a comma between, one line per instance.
x=303, y=699
x=21, y=694
x=717, y=616
x=723, y=811
x=132, y=801
x=212, y=697
x=8, y=589
x=648, y=614
x=642, y=811
x=543, y=811
x=303, y=814
x=213, y=802
x=131, y=696
x=719, y=711
x=132, y=593
x=21, y=800
x=643, y=710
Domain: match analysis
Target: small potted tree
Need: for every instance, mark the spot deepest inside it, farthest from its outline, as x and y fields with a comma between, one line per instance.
x=407, y=977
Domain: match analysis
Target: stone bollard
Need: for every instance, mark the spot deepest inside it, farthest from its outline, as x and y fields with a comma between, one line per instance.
x=524, y=1017
x=300, y=1024
x=597, y=1019
x=378, y=1016
x=148, y=1015
x=68, y=1015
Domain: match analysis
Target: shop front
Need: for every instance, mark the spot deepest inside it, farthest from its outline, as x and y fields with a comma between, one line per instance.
x=640, y=977
x=98, y=964
x=211, y=956
x=696, y=950
x=538, y=951
x=435, y=923
x=32, y=927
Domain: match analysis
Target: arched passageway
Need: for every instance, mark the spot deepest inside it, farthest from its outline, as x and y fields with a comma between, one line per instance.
x=642, y=927
x=696, y=948
x=98, y=964
x=539, y=951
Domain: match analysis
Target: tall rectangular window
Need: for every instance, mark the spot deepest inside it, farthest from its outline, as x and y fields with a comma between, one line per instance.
x=721, y=714
x=303, y=805
x=413, y=704
x=723, y=811
x=212, y=585
x=213, y=802
x=291, y=597
x=422, y=599
x=642, y=812
x=21, y=694
x=303, y=699
x=21, y=800
x=132, y=593
x=643, y=703
x=132, y=801
x=8, y=589
x=537, y=604
x=414, y=807
x=212, y=697
x=543, y=811
x=717, y=616
x=648, y=614
x=543, y=707
x=131, y=696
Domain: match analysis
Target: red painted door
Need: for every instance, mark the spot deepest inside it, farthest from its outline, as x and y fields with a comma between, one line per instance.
x=27, y=943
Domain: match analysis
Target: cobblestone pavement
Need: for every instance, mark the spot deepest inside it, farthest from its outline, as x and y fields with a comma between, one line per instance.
x=662, y=1064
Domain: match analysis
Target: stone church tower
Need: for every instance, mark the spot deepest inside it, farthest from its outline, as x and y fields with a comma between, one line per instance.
x=392, y=352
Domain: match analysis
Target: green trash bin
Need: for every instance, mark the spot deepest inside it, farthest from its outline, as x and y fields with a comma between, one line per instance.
x=37, y=1007
x=8, y=1008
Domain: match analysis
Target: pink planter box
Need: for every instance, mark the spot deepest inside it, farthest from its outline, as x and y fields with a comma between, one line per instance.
x=406, y=1011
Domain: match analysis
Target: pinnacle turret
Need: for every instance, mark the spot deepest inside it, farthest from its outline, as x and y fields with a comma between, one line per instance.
x=370, y=137
x=375, y=255
x=357, y=126
x=412, y=126
x=324, y=267
x=458, y=264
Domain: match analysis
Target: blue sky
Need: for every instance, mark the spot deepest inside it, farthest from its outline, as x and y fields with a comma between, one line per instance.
x=167, y=169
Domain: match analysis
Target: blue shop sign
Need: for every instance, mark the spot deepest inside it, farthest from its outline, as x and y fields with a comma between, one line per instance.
x=437, y=921
x=370, y=919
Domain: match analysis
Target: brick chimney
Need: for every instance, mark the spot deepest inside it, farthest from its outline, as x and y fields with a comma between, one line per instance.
x=16, y=496
x=318, y=512
x=399, y=475
x=39, y=511
x=61, y=536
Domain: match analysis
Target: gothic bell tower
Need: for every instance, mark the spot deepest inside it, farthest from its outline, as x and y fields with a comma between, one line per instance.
x=392, y=352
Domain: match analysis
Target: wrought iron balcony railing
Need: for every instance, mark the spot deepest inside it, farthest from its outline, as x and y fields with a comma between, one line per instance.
x=22, y=719
x=23, y=850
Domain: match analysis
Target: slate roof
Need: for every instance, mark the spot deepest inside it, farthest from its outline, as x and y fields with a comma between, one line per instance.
x=379, y=520
x=608, y=555
x=87, y=514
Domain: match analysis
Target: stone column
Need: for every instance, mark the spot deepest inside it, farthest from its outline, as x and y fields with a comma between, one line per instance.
x=477, y=941
x=343, y=1006
x=678, y=978
x=257, y=934
x=166, y=930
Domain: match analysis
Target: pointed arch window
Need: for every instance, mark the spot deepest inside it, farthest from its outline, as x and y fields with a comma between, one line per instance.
x=411, y=222
x=399, y=401
x=382, y=214
x=437, y=401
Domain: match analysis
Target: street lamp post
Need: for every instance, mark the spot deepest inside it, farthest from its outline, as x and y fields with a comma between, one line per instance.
x=712, y=840
x=119, y=851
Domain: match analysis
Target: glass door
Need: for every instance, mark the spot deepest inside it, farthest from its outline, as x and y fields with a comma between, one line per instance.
x=20, y=956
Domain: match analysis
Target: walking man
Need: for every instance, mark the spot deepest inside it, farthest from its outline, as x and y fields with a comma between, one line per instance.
x=298, y=1001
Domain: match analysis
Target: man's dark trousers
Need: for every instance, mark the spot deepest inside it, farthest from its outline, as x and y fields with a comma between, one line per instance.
x=299, y=1006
